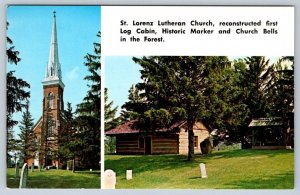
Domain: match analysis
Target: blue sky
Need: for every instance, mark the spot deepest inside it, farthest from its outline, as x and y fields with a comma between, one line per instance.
x=30, y=30
x=120, y=74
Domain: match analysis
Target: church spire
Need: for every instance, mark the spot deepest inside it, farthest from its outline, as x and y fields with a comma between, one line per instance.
x=53, y=70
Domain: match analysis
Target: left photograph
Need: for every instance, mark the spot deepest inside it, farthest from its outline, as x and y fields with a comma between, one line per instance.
x=53, y=96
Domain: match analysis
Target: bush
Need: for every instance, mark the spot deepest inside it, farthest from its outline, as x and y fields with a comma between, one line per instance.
x=226, y=146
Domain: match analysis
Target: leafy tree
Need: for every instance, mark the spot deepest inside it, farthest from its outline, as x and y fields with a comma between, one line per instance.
x=225, y=107
x=88, y=120
x=27, y=136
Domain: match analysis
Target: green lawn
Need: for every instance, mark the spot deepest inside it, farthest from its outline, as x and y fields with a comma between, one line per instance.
x=56, y=179
x=235, y=169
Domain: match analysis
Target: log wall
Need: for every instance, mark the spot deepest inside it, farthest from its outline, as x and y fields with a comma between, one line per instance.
x=128, y=144
x=165, y=144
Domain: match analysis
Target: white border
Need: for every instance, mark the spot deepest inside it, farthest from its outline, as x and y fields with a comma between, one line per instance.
x=3, y=3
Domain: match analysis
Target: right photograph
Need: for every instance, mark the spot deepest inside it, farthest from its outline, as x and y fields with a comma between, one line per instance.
x=199, y=122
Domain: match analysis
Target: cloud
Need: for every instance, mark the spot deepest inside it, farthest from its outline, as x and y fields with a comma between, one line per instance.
x=73, y=74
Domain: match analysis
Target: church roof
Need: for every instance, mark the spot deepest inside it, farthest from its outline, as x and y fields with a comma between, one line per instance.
x=37, y=123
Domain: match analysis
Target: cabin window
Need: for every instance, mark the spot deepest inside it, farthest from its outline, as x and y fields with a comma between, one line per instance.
x=141, y=142
x=195, y=141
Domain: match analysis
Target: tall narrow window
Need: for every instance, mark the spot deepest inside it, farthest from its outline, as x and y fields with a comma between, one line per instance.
x=60, y=102
x=50, y=100
x=50, y=126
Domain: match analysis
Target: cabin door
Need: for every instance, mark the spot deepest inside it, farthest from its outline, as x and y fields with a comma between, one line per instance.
x=148, y=145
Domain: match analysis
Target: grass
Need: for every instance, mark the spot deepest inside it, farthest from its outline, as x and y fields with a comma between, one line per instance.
x=234, y=169
x=56, y=179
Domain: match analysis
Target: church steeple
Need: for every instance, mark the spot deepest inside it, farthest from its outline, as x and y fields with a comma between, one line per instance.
x=53, y=70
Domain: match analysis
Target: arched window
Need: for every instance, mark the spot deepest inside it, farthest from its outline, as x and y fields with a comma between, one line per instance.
x=50, y=100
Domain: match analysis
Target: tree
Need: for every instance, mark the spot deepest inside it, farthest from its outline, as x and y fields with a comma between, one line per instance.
x=110, y=122
x=174, y=88
x=281, y=94
x=88, y=120
x=12, y=54
x=17, y=94
x=281, y=89
x=134, y=106
x=27, y=136
x=258, y=79
x=225, y=105
x=67, y=136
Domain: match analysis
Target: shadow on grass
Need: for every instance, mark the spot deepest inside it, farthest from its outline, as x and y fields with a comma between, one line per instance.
x=195, y=178
x=147, y=163
x=285, y=181
x=247, y=153
x=88, y=172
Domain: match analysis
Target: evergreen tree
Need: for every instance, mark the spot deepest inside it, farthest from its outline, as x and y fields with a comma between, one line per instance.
x=110, y=122
x=175, y=90
x=281, y=95
x=258, y=78
x=88, y=120
x=131, y=109
x=27, y=136
x=281, y=89
x=110, y=113
x=67, y=139
x=17, y=94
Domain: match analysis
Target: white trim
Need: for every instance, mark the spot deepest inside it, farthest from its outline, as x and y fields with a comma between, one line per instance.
x=53, y=82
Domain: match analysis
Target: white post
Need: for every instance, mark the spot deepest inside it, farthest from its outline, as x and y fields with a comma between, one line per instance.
x=203, y=170
x=128, y=174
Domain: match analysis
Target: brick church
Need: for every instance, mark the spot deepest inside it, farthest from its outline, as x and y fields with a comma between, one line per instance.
x=47, y=128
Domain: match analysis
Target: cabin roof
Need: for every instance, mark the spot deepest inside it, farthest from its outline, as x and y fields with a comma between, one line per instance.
x=130, y=127
x=263, y=122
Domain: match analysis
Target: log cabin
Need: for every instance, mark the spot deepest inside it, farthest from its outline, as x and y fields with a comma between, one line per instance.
x=172, y=140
